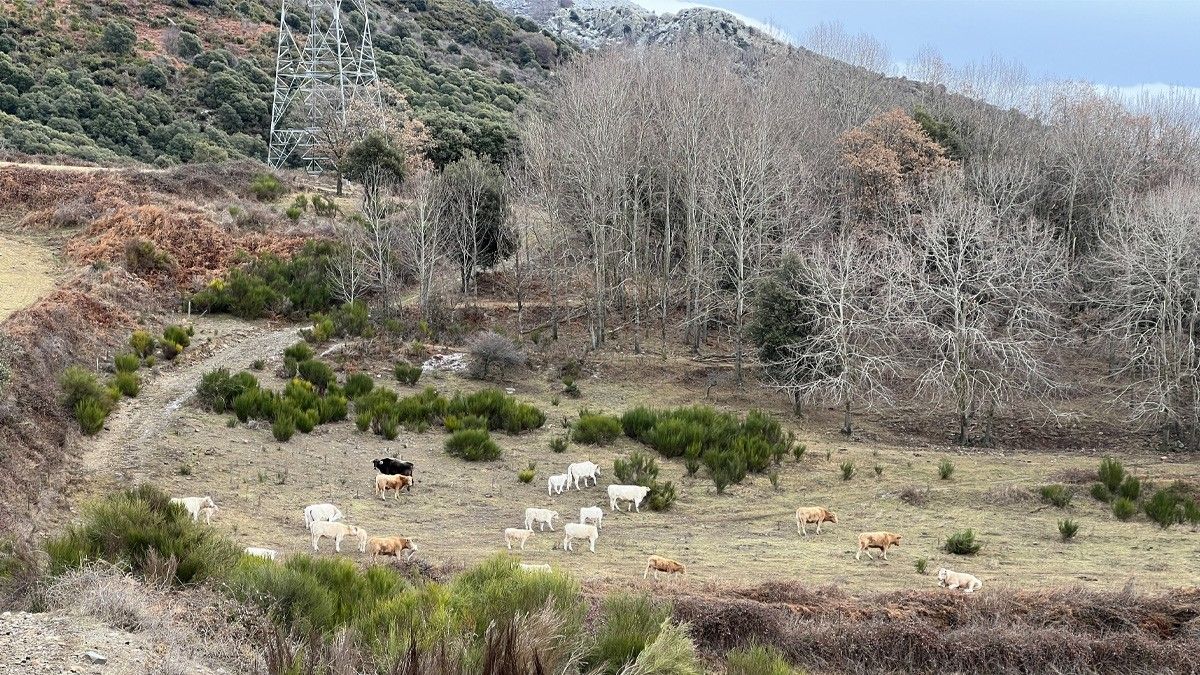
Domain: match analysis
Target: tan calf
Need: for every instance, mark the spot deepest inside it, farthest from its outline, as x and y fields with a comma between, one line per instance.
x=880, y=540
x=813, y=514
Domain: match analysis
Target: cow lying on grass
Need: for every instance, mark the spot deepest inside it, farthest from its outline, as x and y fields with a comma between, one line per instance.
x=953, y=580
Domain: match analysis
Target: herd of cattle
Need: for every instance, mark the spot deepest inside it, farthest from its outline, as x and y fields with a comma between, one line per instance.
x=321, y=520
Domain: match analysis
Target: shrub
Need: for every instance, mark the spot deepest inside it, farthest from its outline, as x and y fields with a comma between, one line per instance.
x=672, y=653
x=628, y=623
x=293, y=213
x=258, y=364
x=526, y=475
x=1112, y=473
x=389, y=428
x=170, y=349
x=79, y=384
x=306, y=421
x=362, y=421
x=1100, y=492
x=91, y=413
x=671, y=437
x=144, y=259
x=490, y=351
x=1067, y=529
x=472, y=445
x=921, y=565
x=945, y=469
x=267, y=188
x=126, y=363
x=298, y=352
x=332, y=408
x=1124, y=509
x=595, y=429
x=142, y=343
x=1057, y=495
x=879, y=471
x=757, y=660
x=140, y=528
x=1131, y=488
x=847, y=470
x=316, y=372
x=290, y=367
x=218, y=389
x=501, y=411
x=1165, y=507
x=798, y=451
x=962, y=543
x=180, y=335
x=284, y=426
x=358, y=384
x=570, y=388
x=773, y=476
x=639, y=469
x=455, y=423
x=407, y=373
x=725, y=467
x=637, y=422
x=662, y=496
x=558, y=444
x=127, y=383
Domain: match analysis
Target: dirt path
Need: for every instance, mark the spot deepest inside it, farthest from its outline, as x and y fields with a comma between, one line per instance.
x=218, y=343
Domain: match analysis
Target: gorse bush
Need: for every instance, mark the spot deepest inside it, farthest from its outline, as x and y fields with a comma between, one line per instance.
x=757, y=660
x=1168, y=507
x=945, y=469
x=1124, y=509
x=638, y=469
x=267, y=188
x=298, y=352
x=284, y=426
x=129, y=384
x=358, y=384
x=502, y=412
x=1112, y=473
x=595, y=429
x=1131, y=488
x=558, y=444
x=180, y=335
x=455, y=423
x=628, y=623
x=1100, y=492
x=142, y=343
x=921, y=565
x=298, y=286
x=637, y=423
x=847, y=470
x=526, y=475
x=90, y=413
x=83, y=395
x=473, y=445
x=140, y=528
x=316, y=372
x=218, y=388
x=407, y=373
x=1057, y=495
x=1067, y=529
x=962, y=543
x=126, y=363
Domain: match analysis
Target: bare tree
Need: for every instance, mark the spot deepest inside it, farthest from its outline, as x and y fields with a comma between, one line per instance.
x=347, y=268
x=475, y=194
x=1147, y=275
x=422, y=236
x=850, y=349
x=337, y=130
x=977, y=296
x=381, y=233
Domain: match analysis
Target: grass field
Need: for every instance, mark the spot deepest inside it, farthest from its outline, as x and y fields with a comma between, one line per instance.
x=458, y=510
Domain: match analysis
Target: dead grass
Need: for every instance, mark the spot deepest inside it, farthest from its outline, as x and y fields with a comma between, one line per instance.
x=457, y=511
x=27, y=270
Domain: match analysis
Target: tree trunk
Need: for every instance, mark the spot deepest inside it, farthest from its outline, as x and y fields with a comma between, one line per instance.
x=847, y=426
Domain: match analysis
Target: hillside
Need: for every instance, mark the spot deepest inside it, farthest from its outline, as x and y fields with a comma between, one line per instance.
x=169, y=83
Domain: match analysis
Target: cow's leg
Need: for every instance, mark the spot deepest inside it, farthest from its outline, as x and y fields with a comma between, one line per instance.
x=885, y=552
x=818, y=527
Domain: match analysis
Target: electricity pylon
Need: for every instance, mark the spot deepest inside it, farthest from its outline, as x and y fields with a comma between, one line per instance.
x=325, y=61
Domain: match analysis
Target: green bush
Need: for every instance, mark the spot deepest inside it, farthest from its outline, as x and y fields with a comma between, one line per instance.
x=267, y=188
x=662, y=496
x=1124, y=509
x=362, y=421
x=558, y=444
x=757, y=660
x=258, y=364
x=316, y=372
x=637, y=422
x=526, y=475
x=921, y=565
x=180, y=335
x=1057, y=495
x=962, y=543
x=301, y=394
x=595, y=429
x=628, y=624
x=1100, y=493
x=847, y=470
x=639, y=469
x=455, y=423
x=79, y=384
x=306, y=421
x=1131, y=488
x=1067, y=529
x=502, y=412
x=126, y=363
x=725, y=467
x=298, y=352
x=570, y=388
x=472, y=445
x=91, y=413
x=293, y=213
x=170, y=349
x=332, y=408
x=1112, y=473
x=945, y=469
x=1166, y=507
x=129, y=384
x=141, y=529
x=142, y=343
x=284, y=426
x=218, y=389
x=407, y=373
x=358, y=384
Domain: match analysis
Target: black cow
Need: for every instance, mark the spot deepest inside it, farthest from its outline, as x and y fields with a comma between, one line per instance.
x=391, y=466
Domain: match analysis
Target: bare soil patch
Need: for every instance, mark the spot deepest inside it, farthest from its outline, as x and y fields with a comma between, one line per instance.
x=27, y=272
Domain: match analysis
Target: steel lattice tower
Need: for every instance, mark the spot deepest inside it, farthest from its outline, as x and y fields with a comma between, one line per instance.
x=317, y=74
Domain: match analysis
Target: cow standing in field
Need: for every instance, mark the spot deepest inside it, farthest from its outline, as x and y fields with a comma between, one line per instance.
x=390, y=466
x=879, y=540
x=813, y=514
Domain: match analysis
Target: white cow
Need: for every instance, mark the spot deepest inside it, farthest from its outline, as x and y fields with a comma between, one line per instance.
x=573, y=531
x=584, y=470
x=337, y=532
x=194, y=505
x=626, y=493
x=557, y=483
x=542, y=517
x=592, y=513
x=268, y=553
x=321, y=512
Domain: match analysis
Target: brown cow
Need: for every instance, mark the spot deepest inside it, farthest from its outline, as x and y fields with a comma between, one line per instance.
x=813, y=514
x=661, y=564
x=879, y=540
x=398, y=482
x=391, y=546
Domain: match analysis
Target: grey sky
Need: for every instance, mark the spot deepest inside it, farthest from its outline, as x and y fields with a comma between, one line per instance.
x=1119, y=44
